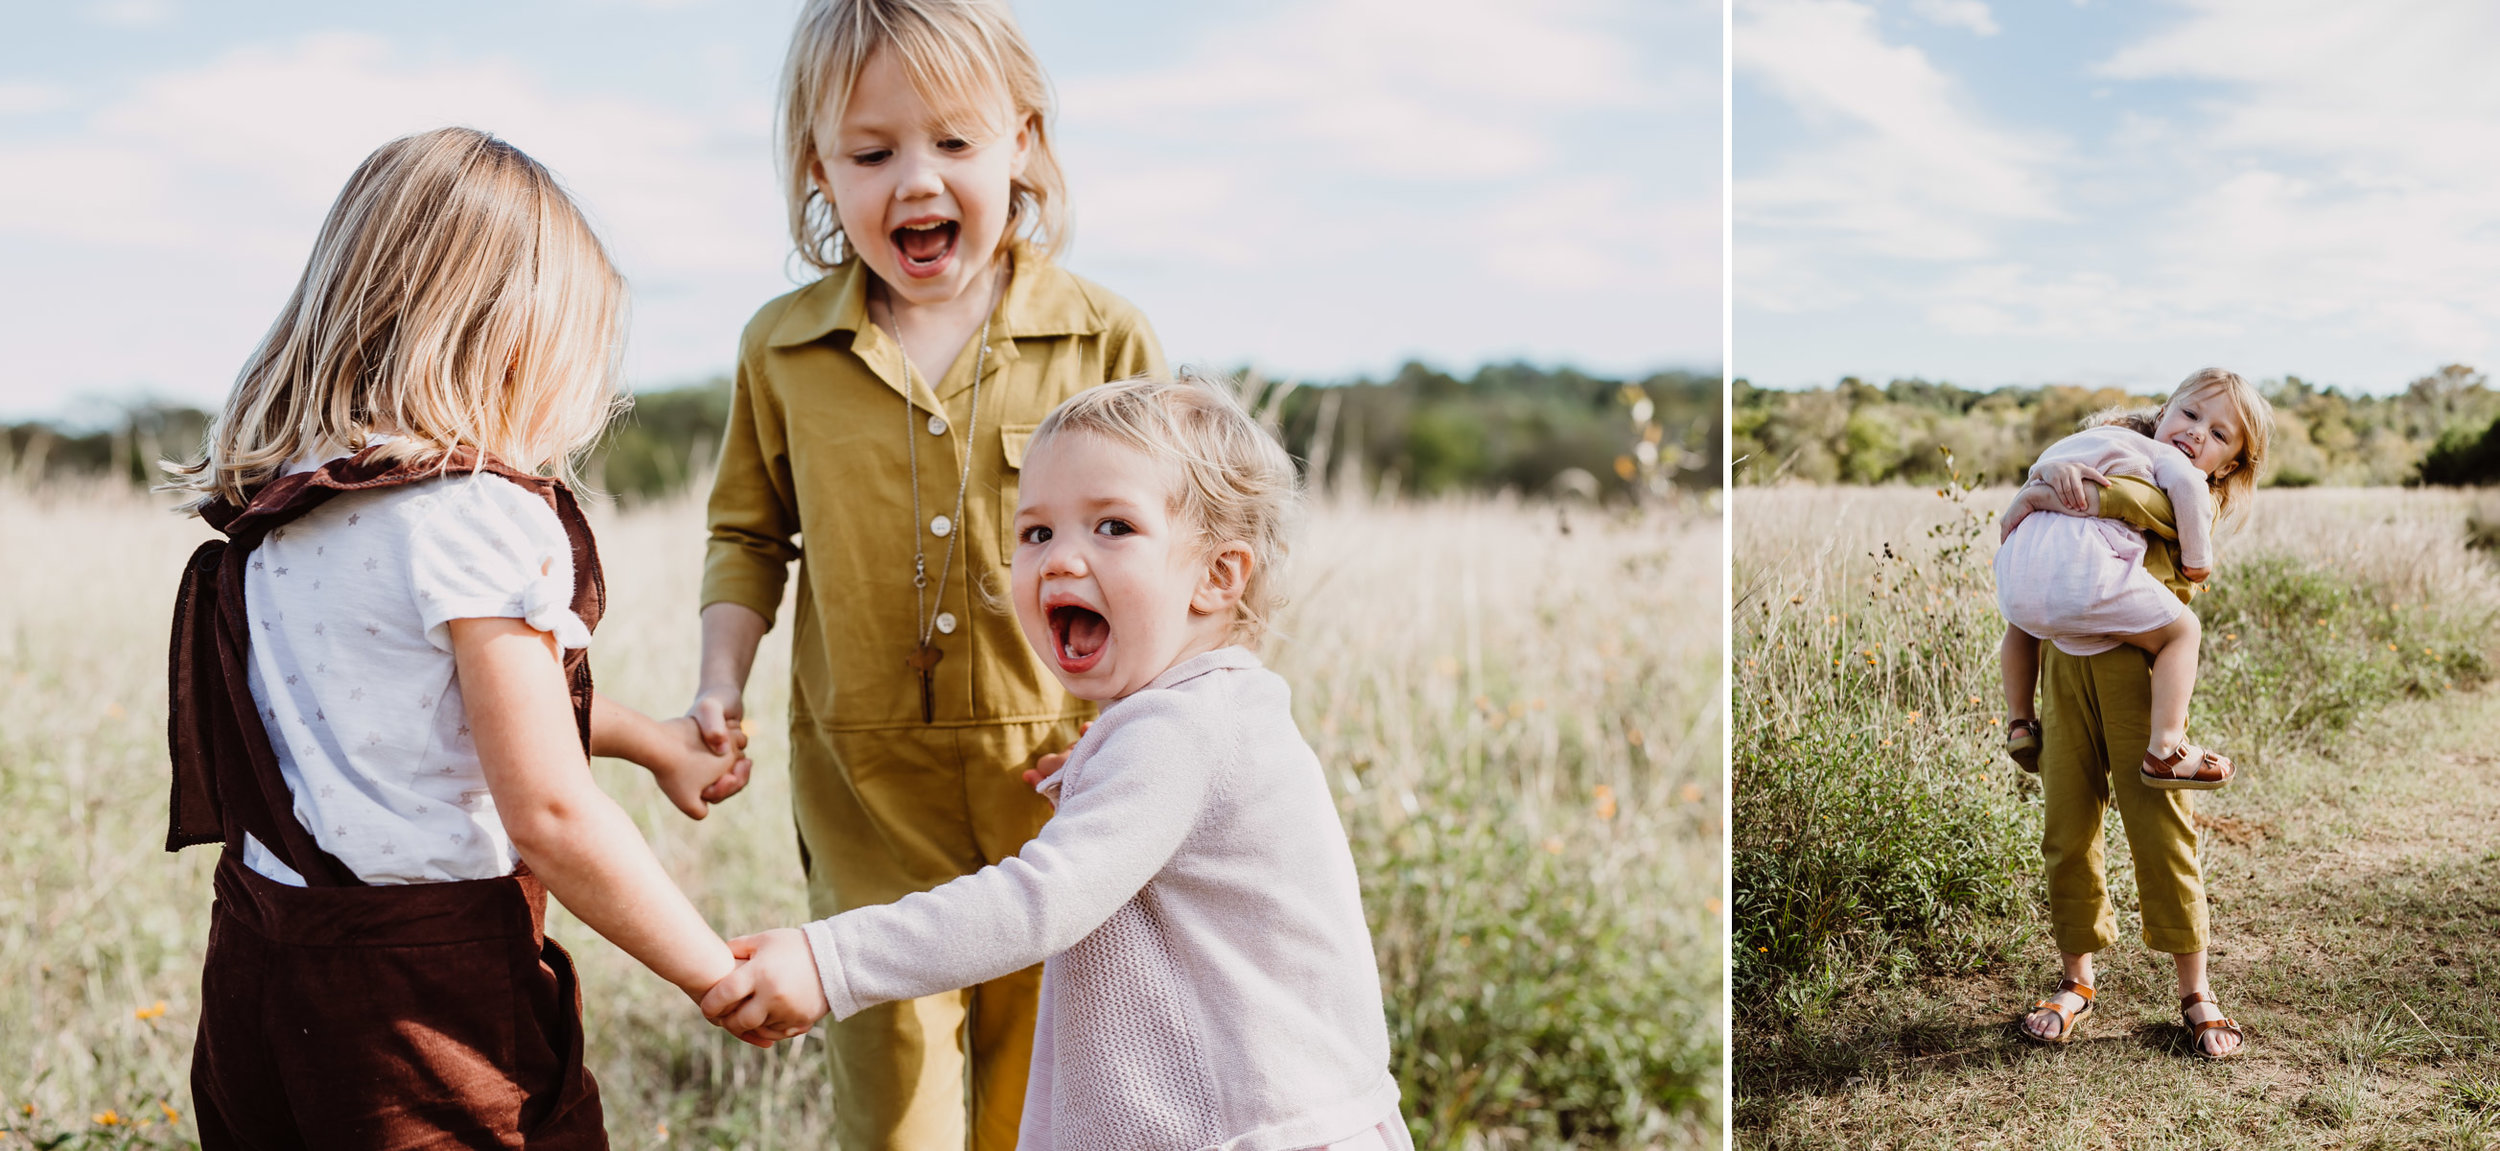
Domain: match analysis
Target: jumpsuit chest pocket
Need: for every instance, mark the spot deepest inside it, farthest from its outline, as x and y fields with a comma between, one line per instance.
x=1014, y=438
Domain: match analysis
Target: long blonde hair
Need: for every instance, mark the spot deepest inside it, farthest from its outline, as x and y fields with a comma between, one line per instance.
x=2256, y=424
x=456, y=297
x=960, y=56
x=1236, y=482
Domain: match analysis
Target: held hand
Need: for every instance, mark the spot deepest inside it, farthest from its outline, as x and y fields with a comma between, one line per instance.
x=1049, y=765
x=691, y=774
x=2196, y=575
x=2067, y=481
x=773, y=993
x=720, y=719
x=2026, y=501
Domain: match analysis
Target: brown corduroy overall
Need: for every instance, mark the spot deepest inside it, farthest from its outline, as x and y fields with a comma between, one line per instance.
x=342, y=1015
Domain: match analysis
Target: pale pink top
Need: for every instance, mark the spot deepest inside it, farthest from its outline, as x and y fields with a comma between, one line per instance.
x=2118, y=451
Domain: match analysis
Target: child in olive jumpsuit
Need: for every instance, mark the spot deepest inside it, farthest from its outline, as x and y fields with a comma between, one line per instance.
x=880, y=418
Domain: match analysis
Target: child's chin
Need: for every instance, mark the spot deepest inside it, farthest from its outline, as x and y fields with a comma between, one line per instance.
x=1091, y=685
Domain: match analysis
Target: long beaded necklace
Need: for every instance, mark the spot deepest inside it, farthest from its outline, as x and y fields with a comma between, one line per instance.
x=924, y=658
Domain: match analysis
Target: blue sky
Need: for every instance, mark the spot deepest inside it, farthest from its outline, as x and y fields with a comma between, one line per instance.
x=2118, y=191
x=1320, y=187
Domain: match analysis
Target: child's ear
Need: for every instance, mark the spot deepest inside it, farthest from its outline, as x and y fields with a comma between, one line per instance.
x=1226, y=577
x=1024, y=149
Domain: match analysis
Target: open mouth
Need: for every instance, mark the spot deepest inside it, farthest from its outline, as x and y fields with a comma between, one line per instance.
x=1078, y=635
x=925, y=247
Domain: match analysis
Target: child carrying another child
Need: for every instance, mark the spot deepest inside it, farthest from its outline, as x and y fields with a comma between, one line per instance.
x=1207, y=976
x=381, y=700
x=2110, y=729
x=881, y=415
x=2080, y=581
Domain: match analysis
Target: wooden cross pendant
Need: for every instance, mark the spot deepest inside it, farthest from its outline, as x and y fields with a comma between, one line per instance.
x=924, y=659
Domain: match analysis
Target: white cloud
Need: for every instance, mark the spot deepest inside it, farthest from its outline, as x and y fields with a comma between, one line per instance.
x=1971, y=15
x=1424, y=89
x=2318, y=197
x=222, y=173
x=132, y=14
x=1409, y=168
x=1901, y=163
x=19, y=97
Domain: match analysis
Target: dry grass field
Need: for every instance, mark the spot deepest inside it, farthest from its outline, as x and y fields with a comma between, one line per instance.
x=1889, y=924
x=1520, y=715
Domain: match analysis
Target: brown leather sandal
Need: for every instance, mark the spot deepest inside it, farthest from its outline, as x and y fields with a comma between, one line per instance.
x=2196, y=1031
x=2068, y=1019
x=2022, y=742
x=2212, y=770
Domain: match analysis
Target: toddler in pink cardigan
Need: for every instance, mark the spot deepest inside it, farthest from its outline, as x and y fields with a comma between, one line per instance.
x=1207, y=974
x=2078, y=580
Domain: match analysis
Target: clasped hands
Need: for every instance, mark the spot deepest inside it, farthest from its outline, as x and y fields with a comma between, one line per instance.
x=774, y=992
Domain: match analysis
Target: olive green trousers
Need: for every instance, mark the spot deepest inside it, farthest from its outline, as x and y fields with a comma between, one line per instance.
x=2095, y=723
x=882, y=814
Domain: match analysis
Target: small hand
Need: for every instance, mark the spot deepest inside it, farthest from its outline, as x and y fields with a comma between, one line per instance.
x=2067, y=480
x=773, y=993
x=2196, y=575
x=2026, y=501
x=691, y=774
x=720, y=718
x=1049, y=765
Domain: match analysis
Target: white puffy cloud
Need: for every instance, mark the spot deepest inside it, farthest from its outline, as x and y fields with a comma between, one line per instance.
x=207, y=185
x=1905, y=165
x=2312, y=192
x=1408, y=159
x=1970, y=15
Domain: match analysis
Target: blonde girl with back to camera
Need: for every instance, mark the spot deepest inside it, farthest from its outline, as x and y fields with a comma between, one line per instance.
x=1207, y=972
x=882, y=414
x=381, y=701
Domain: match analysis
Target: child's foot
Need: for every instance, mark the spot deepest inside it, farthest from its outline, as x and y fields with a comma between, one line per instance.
x=2057, y=1017
x=2186, y=767
x=2211, y=1035
x=2022, y=742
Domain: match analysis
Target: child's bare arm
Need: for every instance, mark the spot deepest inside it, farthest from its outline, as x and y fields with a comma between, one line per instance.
x=680, y=760
x=731, y=633
x=574, y=838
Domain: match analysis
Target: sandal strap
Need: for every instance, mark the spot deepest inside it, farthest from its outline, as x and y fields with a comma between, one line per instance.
x=2211, y=767
x=2069, y=986
x=2193, y=998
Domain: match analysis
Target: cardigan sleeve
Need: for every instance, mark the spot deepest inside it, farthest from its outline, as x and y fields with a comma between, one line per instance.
x=2191, y=505
x=1132, y=799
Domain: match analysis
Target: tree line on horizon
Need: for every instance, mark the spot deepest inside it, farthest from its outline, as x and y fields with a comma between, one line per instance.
x=2442, y=428
x=1518, y=427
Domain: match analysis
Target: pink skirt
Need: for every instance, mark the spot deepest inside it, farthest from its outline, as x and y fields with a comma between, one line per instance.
x=2080, y=583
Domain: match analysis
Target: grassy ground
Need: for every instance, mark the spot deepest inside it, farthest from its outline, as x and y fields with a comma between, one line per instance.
x=2355, y=871
x=1521, y=720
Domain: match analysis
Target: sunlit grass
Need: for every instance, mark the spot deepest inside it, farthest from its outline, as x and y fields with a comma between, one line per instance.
x=1520, y=721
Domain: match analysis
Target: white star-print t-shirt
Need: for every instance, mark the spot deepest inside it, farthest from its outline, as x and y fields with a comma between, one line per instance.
x=352, y=670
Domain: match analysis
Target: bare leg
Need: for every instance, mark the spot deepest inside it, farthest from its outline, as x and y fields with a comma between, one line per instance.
x=2174, y=649
x=2018, y=658
x=2044, y=1022
x=2192, y=980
